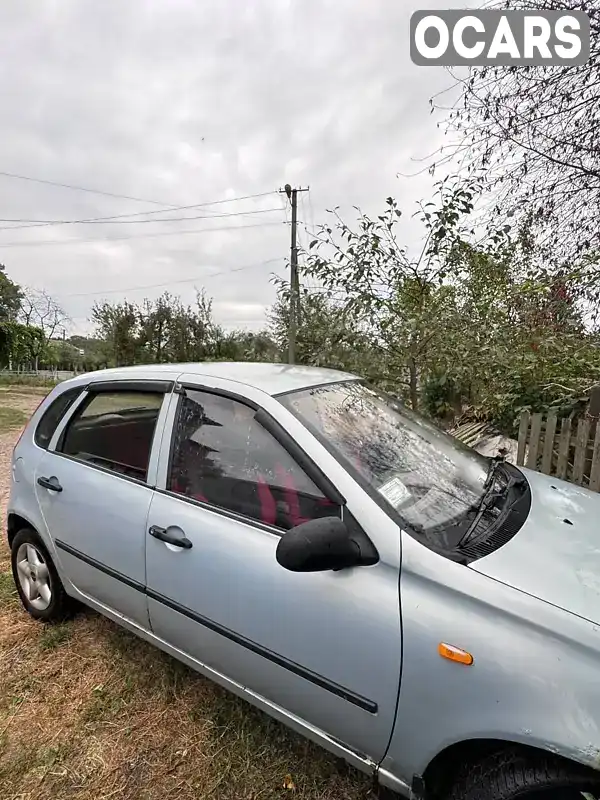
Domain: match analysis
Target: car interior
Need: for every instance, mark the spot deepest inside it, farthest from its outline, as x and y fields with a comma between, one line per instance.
x=120, y=441
x=236, y=465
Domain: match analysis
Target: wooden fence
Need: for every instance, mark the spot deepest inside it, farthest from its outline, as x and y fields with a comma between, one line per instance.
x=569, y=450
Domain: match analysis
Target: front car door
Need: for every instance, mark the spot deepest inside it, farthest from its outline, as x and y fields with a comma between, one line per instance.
x=93, y=488
x=326, y=647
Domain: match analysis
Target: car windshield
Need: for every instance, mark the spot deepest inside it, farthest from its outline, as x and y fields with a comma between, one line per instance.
x=423, y=473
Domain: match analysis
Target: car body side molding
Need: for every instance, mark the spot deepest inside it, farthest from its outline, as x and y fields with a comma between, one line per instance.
x=346, y=694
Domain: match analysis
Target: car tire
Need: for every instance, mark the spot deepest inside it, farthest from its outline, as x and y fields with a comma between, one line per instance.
x=39, y=587
x=517, y=775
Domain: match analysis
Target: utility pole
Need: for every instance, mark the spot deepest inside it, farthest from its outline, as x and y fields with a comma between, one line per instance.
x=292, y=195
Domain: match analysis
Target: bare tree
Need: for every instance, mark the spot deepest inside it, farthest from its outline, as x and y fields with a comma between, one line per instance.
x=534, y=134
x=41, y=310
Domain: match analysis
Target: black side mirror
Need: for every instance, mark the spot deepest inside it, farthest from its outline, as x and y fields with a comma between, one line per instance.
x=323, y=544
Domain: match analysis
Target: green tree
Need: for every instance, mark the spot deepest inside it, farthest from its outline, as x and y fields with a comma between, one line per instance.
x=166, y=331
x=11, y=296
x=20, y=345
x=117, y=326
x=328, y=334
x=400, y=302
x=478, y=320
x=91, y=352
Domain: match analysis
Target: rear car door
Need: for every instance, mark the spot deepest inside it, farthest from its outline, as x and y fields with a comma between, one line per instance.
x=326, y=647
x=93, y=488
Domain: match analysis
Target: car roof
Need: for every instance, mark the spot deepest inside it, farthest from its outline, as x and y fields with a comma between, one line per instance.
x=270, y=378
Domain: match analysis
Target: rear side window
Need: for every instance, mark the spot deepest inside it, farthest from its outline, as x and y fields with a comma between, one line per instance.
x=53, y=415
x=114, y=430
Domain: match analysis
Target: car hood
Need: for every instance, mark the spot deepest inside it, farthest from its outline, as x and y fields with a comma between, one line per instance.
x=556, y=554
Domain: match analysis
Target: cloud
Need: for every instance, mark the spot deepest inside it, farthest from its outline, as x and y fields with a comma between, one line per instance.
x=186, y=102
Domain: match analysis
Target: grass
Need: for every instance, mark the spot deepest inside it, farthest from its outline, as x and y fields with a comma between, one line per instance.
x=27, y=380
x=8, y=593
x=53, y=636
x=7, y=390
x=11, y=418
x=88, y=711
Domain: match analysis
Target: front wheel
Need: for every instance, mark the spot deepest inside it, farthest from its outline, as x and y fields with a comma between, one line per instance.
x=36, y=578
x=515, y=775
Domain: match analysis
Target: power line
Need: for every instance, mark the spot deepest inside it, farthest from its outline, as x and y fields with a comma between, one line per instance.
x=35, y=223
x=138, y=235
x=83, y=189
x=115, y=221
x=169, y=283
x=183, y=219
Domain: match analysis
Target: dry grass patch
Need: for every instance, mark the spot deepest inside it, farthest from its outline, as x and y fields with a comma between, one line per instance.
x=11, y=418
x=88, y=711
x=27, y=382
x=21, y=398
x=20, y=389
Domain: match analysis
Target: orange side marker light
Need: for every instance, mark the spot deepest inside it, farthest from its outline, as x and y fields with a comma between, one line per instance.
x=453, y=653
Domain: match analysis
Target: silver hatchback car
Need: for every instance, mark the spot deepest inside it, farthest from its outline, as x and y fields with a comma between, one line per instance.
x=427, y=614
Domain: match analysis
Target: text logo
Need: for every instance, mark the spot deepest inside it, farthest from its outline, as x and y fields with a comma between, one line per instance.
x=500, y=38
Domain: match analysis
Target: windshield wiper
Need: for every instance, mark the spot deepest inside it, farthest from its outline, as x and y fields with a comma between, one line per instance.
x=493, y=470
x=490, y=495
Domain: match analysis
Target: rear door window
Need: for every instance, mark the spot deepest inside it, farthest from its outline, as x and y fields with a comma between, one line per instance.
x=53, y=415
x=114, y=430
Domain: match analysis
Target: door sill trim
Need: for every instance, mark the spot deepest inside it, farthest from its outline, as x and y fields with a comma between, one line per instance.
x=358, y=760
x=390, y=781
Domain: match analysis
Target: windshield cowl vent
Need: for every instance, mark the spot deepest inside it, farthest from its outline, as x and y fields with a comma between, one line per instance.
x=505, y=531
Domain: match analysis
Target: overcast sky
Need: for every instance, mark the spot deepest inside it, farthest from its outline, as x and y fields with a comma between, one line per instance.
x=186, y=102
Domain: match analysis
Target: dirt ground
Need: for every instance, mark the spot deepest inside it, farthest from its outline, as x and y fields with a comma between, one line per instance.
x=89, y=711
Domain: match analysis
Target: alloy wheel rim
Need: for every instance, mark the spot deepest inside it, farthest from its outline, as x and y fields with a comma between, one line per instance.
x=34, y=577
